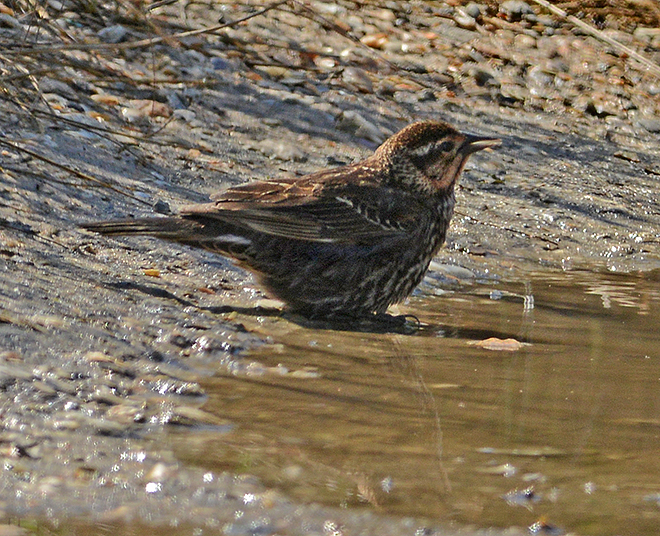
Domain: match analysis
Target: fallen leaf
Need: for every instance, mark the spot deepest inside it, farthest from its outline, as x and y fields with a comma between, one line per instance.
x=502, y=345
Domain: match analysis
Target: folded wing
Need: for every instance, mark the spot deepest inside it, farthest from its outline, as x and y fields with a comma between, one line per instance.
x=316, y=212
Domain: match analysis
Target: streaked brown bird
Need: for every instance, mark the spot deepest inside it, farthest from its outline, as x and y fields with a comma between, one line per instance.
x=349, y=241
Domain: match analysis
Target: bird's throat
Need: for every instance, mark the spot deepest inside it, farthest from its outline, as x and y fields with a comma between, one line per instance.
x=446, y=181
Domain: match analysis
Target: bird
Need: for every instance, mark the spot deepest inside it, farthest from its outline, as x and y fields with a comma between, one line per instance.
x=344, y=242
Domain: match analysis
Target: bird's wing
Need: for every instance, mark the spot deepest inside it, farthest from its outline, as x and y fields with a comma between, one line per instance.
x=331, y=212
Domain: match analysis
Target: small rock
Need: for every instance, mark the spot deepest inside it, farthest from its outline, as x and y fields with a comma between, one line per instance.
x=323, y=62
x=104, y=98
x=57, y=102
x=16, y=372
x=7, y=21
x=125, y=415
x=484, y=78
x=457, y=35
x=351, y=121
x=539, y=81
x=651, y=124
x=358, y=78
x=603, y=104
x=426, y=95
x=185, y=115
x=377, y=41
x=522, y=41
x=176, y=101
x=162, y=207
x=189, y=416
x=646, y=34
x=393, y=45
x=385, y=14
x=159, y=473
x=50, y=85
x=474, y=10
x=281, y=150
x=103, y=394
x=61, y=386
x=412, y=66
x=451, y=270
x=220, y=64
x=10, y=355
x=627, y=155
x=144, y=108
x=464, y=20
x=113, y=34
x=522, y=497
x=515, y=10
x=104, y=426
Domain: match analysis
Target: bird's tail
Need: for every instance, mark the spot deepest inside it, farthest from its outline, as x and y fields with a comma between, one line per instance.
x=172, y=228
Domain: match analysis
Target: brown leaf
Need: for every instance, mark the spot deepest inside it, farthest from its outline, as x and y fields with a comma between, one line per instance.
x=501, y=345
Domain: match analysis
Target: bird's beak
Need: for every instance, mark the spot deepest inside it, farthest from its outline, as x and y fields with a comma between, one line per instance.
x=472, y=144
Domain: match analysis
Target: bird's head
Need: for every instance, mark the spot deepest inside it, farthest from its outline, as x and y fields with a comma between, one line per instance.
x=428, y=156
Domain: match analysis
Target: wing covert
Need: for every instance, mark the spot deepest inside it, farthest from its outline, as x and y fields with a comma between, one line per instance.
x=330, y=213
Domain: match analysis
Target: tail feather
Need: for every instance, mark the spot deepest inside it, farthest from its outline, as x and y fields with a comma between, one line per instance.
x=176, y=229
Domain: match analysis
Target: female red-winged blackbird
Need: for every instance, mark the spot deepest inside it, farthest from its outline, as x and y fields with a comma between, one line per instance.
x=346, y=241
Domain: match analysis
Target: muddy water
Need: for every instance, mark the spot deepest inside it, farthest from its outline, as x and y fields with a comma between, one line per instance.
x=565, y=430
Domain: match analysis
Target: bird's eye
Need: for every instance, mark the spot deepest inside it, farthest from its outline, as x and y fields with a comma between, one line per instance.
x=445, y=147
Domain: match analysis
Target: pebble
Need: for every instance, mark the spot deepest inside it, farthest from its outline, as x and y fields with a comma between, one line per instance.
x=651, y=124
x=8, y=21
x=140, y=109
x=463, y=20
x=354, y=123
x=125, y=414
x=358, y=78
x=104, y=426
x=44, y=388
x=160, y=472
x=104, y=394
x=474, y=10
x=506, y=470
x=522, y=497
x=184, y=115
x=61, y=386
x=190, y=416
x=515, y=10
x=281, y=150
x=10, y=355
x=64, y=423
x=50, y=85
x=113, y=34
x=221, y=64
x=378, y=40
x=452, y=270
x=15, y=372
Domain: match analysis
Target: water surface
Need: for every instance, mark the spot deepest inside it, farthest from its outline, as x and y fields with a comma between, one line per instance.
x=564, y=431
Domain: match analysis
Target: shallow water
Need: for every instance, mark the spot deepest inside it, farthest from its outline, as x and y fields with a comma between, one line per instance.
x=564, y=431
